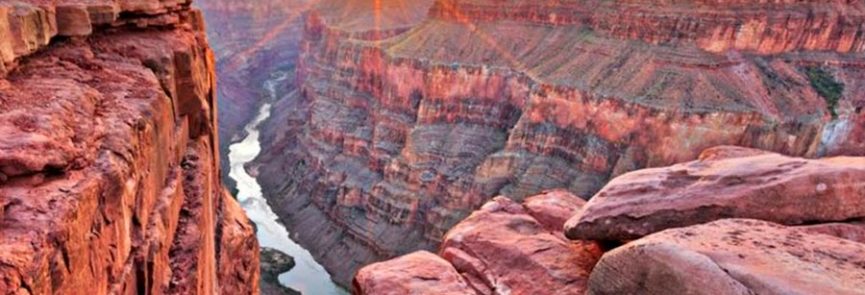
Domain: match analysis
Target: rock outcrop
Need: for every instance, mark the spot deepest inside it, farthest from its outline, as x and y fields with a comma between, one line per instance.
x=109, y=175
x=499, y=250
x=411, y=114
x=726, y=182
x=732, y=256
x=273, y=264
x=417, y=273
x=503, y=248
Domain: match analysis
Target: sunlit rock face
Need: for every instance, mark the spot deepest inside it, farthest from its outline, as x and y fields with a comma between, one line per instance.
x=252, y=40
x=108, y=166
x=408, y=119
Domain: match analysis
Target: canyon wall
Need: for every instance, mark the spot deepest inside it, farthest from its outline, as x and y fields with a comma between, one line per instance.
x=411, y=114
x=109, y=170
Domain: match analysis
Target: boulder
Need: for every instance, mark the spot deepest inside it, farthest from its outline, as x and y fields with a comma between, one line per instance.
x=553, y=208
x=726, y=182
x=732, y=256
x=502, y=249
x=418, y=273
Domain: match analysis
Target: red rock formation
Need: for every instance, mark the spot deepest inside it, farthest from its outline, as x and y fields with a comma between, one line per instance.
x=500, y=249
x=734, y=256
x=726, y=182
x=762, y=27
x=417, y=273
x=404, y=125
x=503, y=249
x=107, y=154
x=552, y=209
x=239, y=253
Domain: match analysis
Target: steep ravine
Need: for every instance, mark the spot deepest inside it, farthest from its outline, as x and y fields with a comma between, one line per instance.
x=307, y=276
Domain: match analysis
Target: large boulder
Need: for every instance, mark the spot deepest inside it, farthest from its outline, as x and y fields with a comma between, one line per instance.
x=502, y=249
x=418, y=273
x=553, y=208
x=733, y=256
x=725, y=182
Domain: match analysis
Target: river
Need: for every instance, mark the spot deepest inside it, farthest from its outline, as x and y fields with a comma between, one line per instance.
x=307, y=276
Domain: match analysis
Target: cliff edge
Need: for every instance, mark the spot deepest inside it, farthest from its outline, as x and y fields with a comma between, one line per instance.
x=109, y=171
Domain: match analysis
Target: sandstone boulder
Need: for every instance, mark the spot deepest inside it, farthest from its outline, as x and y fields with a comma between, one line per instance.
x=553, y=208
x=726, y=182
x=417, y=273
x=502, y=249
x=732, y=256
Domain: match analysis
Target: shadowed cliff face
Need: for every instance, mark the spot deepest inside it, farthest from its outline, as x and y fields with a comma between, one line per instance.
x=109, y=171
x=408, y=119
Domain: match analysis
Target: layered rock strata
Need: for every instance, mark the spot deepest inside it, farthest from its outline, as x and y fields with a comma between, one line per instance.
x=411, y=114
x=109, y=176
x=684, y=256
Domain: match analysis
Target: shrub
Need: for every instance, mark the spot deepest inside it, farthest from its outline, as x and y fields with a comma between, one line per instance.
x=826, y=86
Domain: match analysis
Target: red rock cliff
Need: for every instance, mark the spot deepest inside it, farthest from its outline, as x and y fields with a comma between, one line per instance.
x=412, y=113
x=108, y=165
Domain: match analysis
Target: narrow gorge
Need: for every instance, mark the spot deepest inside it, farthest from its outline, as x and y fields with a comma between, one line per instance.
x=306, y=276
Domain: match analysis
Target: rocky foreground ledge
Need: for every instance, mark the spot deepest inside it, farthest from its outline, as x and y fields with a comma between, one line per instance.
x=109, y=178
x=736, y=221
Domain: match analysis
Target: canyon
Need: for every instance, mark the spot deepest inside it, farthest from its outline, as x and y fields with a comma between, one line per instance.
x=432, y=147
x=251, y=41
x=411, y=115
x=109, y=154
